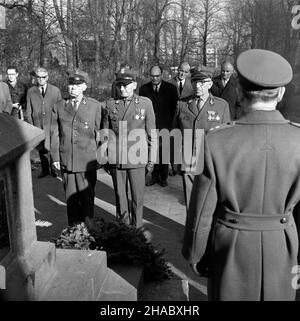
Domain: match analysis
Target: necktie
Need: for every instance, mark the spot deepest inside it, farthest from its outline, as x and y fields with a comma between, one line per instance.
x=156, y=89
x=199, y=104
x=43, y=91
x=75, y=104
x=180, y=87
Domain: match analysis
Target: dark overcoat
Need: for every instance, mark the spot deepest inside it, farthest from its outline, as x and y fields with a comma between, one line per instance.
x=132, y=139
x=187, y=89
x=75, y=133
x=241, y=205
x=228, y=93
x=164, y=104
x=39, y=109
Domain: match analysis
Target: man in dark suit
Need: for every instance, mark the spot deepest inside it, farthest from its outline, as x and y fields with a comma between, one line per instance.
x=18, y=91
x=225, y=86
x=74, y=137
x=182, y=81
x=130, y=116
x=164, y=99
x=40, y=100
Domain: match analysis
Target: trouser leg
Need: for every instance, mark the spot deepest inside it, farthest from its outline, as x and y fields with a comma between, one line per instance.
x=44, y=161
x=119, y=177
x=164, y=171
x=86, y=182
x=72, y=198
x=137, y=186
x=188, y=181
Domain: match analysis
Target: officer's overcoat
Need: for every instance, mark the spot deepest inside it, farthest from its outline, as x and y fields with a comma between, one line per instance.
x=132, y=141
x=74, y=134
x=214, y=112
x=250, y=185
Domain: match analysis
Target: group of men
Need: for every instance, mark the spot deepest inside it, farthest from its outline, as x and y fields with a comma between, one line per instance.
x=240, y=194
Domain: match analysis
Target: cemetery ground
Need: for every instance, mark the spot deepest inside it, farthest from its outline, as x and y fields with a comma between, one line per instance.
x=164, y=216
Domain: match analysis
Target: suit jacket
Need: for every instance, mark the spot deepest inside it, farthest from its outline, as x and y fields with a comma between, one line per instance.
x=132, y=141
x=39, y=109
x=164, y=104
x=5, y=98
x=229, y=93
x=187, y=89
x=252, y=167
x=214, y=112
x=74, y=134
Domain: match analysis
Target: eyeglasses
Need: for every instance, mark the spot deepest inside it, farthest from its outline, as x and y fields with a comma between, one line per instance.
x=155, y=76
x=41, y=77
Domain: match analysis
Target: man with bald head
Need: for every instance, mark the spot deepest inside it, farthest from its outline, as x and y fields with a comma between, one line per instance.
x=164, y=99
x=182, y=81
x=225, y=86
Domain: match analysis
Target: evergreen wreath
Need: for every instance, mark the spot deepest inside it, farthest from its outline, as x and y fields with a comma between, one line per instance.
x=123, y=244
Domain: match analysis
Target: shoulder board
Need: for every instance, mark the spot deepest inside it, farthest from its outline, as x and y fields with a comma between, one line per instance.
x=145, y=100
x=220, y=100
x=295, y=124
x=91, y=99
x=222, y=126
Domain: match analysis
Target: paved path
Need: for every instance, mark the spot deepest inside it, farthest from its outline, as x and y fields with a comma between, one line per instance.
x=164, y=215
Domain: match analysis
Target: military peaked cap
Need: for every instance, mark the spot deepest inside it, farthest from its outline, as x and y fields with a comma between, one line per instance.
x=125, y=78
x=201, y=75
x=77, y=77
x=264, y=68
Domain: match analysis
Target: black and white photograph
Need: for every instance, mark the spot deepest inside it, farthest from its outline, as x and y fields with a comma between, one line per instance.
x=149, y=155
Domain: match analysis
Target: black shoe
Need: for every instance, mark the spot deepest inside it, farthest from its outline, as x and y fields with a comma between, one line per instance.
x=163, y=183
x=43, y=175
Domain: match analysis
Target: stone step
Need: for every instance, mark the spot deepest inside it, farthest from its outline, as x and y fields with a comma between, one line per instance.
x=123, y=283
x=80, y=276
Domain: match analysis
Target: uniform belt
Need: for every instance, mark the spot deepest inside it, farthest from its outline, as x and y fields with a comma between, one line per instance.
x=255, y=222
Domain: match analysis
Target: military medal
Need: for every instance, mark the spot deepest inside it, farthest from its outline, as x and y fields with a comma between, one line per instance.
x=213, y=116
x=142, y=113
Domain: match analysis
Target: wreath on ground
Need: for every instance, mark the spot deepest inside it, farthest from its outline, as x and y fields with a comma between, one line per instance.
x=123, y=244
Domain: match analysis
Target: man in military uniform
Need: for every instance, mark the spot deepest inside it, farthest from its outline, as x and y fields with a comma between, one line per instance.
x=131, y=147
x=74, y=131
x=241, y=207
x=199, y=114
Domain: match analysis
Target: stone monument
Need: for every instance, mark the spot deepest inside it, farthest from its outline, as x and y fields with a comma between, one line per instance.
x=33, y=270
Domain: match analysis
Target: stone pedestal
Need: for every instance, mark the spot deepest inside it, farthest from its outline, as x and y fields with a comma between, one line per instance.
x=32, y=270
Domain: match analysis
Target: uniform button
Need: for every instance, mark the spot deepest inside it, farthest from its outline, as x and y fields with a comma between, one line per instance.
x=233, y=220
x=283, y=220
